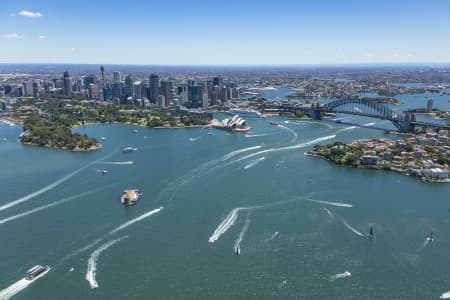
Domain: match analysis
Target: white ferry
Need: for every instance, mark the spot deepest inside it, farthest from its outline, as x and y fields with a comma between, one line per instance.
x=130, y=197
x=36, y=272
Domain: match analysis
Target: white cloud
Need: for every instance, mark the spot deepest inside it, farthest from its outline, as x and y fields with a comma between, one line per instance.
x=11, y=36
x=30, y=14
x=41, y=37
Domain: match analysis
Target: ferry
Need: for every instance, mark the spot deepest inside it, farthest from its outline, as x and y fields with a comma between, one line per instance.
x=251, y=113
x=274, y=123
x=36, y=272
x=128, y=149
x=130, y=197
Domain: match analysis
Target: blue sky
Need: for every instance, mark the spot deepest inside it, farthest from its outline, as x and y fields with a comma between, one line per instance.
x=224, y=32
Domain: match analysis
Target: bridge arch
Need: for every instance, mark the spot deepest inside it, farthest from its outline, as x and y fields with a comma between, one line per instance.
x=367, y=108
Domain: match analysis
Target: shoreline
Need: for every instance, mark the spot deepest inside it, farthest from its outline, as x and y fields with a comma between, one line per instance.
x=76, y=149
x=369, y=167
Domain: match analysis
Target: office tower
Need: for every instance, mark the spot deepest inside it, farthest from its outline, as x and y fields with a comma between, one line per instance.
x=117, y=77
x=218, y=81
x=215, y=95
x=166, y=87
x=137, y=90
x=67, y=84
x=28, y=88
x=92, y=91
x=90, y=79
x=129, y=85
x=195, y=95
x=35, y=88
x=205, y=102
x=153, y=88
x=161, y=102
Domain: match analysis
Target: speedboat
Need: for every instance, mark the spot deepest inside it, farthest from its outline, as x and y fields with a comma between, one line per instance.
x=128, y=149
x=104, y=171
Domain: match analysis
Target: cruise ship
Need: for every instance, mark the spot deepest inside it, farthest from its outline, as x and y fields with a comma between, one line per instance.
x=36, y=272
x=251, y=113
x=130, y=197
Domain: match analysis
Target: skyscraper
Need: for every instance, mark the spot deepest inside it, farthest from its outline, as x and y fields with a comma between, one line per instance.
x=67, y=84
x=129, y=85
x=153, y=88
x=117, y=85
x=166, y=86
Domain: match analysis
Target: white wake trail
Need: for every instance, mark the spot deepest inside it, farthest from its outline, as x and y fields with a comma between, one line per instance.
x=274, y=235
x=129, y=162
x=237, y=243
x=331, y=203
x=346, y=128
x=48, y=187
x=352, y=228
x=204, y=169
x=14, y=289
x=43, y=207
x=228, y=222
x=140, y=218
x=369, y=124
x=298, y=146
x=445, y=295
x=254, y=162
x=294, y=134
x=92, y=262
x=328, y=212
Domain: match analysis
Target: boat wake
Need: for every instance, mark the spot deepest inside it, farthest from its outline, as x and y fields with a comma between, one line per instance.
x=44, y=207
x=340, y=275
x=354, y=230
x=369, y=124
x=129, y=162
x=140, y=218
x=328, y=212
x=92, y=262
x=14, y=289
x=294, y=134
x=228, y=222
x=274, y=235
x=331, y=203
x=48, y=187
x=254, y=162
x=237, y=243
x=310, y=122
x=445, y=295
x=194, y=139
x=172, y=188
x=298, y=146
x=249, y=135
x=346, y=129
x=282, y=284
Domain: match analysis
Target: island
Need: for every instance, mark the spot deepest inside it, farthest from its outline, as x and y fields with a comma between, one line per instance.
x=424, y=156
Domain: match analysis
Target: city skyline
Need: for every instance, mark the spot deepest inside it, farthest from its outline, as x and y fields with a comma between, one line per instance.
x=199, y=33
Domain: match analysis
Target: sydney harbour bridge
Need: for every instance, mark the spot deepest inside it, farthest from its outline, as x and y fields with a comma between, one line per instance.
x=403, y=121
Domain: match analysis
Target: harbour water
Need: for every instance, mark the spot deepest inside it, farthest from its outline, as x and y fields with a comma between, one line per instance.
x=299, y=222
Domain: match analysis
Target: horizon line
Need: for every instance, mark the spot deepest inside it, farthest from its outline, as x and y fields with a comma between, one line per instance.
x=418, y=63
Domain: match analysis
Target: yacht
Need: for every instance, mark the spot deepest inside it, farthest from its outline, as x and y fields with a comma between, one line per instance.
x=36, y=272
x=128, y=149
x=130, y=197
x=251, y=113
x=104, y=171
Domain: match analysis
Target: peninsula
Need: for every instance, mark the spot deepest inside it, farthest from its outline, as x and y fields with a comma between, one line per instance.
x=424, y=156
